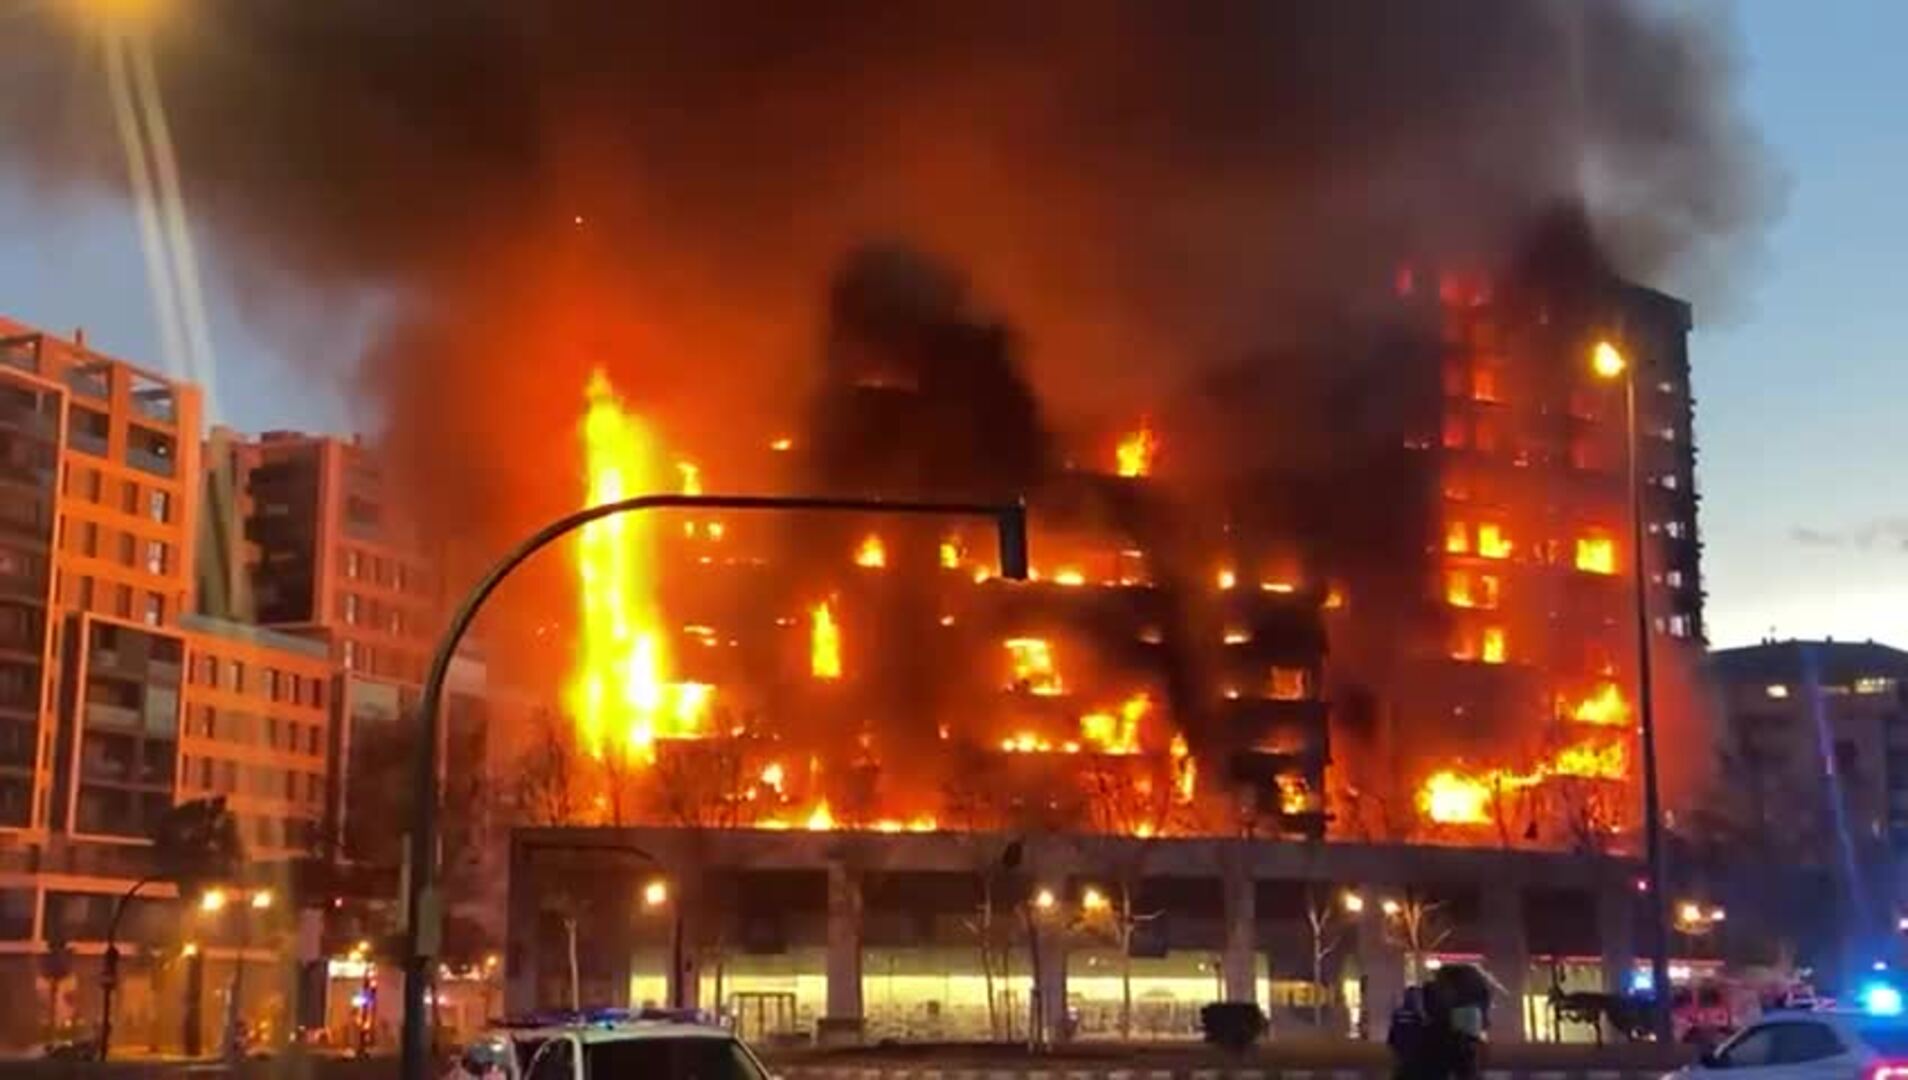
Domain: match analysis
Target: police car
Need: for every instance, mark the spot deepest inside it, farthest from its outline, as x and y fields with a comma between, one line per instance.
x=609, y=1045
x=1866, y=1044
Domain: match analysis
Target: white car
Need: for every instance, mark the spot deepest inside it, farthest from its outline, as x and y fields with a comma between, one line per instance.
x=1809, y=1046
x=640, y=1049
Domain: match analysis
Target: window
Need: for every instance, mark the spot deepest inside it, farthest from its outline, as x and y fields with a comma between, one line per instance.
x=87, y=429
x=155, y=612
x=149, y=451
x=158, y=505
x=123, y=601
x=236, y=669
x=88, y=538
x=1872, y=684
x=350, y=655
x=291, y=785
x=1288, y=684
x=399, y=577
x=205, y=774
x=209, y=671
x=351, y=609
x=352, y=563
x=156, y=556
x=129, y=497
x=1751, y=1049
x=312, y=735
x=317, y=696
x=228, y=777
x=272, y=681
x=271, y=732
x=1801, y=1043
x=128, y=544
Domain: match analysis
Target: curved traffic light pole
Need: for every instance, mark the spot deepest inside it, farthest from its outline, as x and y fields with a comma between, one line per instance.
x=420, y=898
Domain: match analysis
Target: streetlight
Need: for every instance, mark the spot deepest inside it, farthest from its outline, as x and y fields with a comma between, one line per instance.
x=656, y=896
x=1608, y=362
x=1093, y=901
x=212, y=902
x=1354, y=904
x=656, y=893
x=420, y=898
x=1045, y=900
x=1391, y=908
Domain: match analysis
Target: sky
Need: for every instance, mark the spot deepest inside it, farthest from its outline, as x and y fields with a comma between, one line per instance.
x=1801, y=411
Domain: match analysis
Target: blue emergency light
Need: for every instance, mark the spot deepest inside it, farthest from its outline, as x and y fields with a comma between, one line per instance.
x=1880, y=999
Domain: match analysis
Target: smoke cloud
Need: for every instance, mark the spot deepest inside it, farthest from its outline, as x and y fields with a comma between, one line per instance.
x=1146, y=192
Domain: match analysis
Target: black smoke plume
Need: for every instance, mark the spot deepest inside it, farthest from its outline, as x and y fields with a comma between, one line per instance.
x=1146, y=190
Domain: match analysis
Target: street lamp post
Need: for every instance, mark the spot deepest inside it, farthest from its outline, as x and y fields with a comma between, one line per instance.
x=212, y=902
x=109, y=968
x=656, y=894
x=1609, y=363
x=420, y=899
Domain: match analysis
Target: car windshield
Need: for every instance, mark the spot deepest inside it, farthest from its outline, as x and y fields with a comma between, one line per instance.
x=1890, y=1040
x=669, y=1059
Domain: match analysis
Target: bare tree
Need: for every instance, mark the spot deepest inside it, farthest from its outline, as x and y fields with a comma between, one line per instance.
x=546, y=785
x=1325, y=917
x=1132, y=801
x=1415, y=924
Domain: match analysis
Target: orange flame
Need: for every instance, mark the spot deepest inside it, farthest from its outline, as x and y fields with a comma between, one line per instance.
x=824, y=642
x=1494, y=651
x=950, y=554
x=772, y=775
x=872, y=553
x=1134, y=454
x=1491, y=541
x=820, y=819
x=617, y=690
x=1185, y=769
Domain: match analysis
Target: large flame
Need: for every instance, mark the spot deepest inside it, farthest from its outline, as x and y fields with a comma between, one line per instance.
x=618, y=693
x=871, y=553
x=1110, y=734
x=824, y=642
x=1134, y=453
x=1606, y=708
x=1451, y=798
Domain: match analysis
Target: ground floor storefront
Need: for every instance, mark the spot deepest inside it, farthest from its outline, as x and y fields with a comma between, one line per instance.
x=931, y=938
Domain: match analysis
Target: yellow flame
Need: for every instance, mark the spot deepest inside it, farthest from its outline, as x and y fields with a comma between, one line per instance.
x=1185, y=770
x=1134, y=453
x=617, y=690
x=691, y=477
x=1070, y=577
x=950, y=554
x=772, y=775
x=1606, y=707
x=1108, y=733
x=1226, y=578
x=1596, y=554
x=820, y=819
x=824, y=642
x=1034, y=667
x=1457, y=538
x=1491, y=541
x=872, y=553
x=782, y=444
x=1592, y=762
x=1494, y=651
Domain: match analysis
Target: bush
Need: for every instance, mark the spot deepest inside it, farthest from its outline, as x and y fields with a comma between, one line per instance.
x=1233, y=1025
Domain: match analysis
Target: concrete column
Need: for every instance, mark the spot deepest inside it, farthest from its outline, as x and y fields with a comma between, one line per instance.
x=1616, y=934
x=1239, y=962
x=520, y=935
x=1506, y=957
x=1052, y=990
x=844, y=943
x=1382, y=971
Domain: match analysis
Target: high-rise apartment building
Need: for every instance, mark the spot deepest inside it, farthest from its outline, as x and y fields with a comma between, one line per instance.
x=329, y=555
x=117, y=701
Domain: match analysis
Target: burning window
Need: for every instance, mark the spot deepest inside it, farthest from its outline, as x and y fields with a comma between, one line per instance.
x=1493, y=650
x=1135, y=452
x=871, y=553
x=1457, y=538
x=1596, y=554
x=1289, y=684
x=824, y=643
x=1455, y=433
x=950, y=553
x=1226, y=578
x=1491, y=541
x=1464, y=589
x=1033, y=667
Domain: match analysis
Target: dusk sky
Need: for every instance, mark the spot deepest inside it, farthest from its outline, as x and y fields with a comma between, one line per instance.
x=1801, y=411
